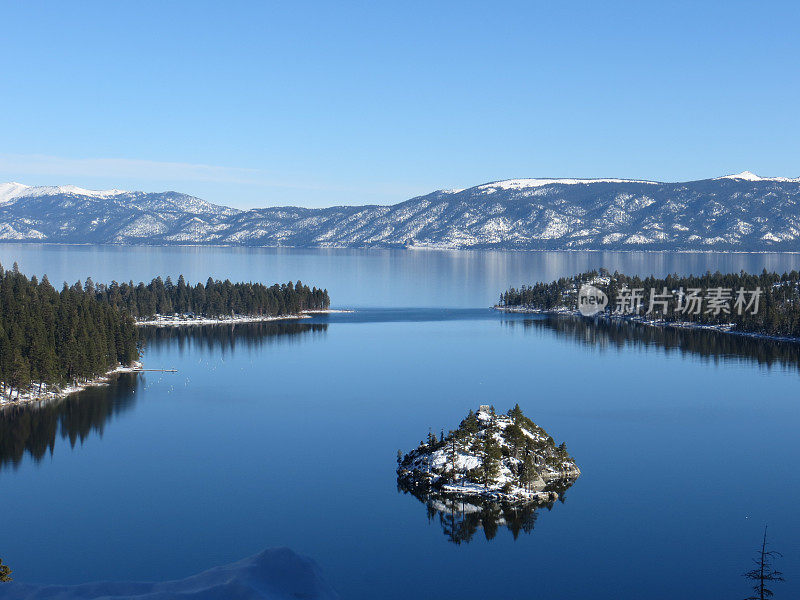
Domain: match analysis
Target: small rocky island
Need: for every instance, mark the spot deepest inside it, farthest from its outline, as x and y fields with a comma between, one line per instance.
x=499, y=458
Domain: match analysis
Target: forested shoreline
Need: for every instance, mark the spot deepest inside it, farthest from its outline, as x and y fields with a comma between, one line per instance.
x=766, y=304
x=51, y=339
x=215, y=298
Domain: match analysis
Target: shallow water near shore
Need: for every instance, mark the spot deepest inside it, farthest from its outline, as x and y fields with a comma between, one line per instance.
x=277, y=434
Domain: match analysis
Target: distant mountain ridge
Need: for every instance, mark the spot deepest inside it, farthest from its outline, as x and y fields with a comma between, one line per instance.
x=742, y=212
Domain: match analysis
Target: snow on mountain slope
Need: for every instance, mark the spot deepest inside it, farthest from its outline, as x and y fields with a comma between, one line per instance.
x=517, y=184
x=748, y=176
x=274, y=574
x=71, y=189
x=11, y=190
x=740, y=212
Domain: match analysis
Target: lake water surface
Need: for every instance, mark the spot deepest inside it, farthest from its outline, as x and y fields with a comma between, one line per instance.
x=286, y=434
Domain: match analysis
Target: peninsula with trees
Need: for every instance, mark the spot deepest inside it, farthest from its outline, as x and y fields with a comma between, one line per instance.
x=53, y=343
x=764, y=305
x=162, y=302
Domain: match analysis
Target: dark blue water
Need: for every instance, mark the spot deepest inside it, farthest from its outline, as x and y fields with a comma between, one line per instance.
x=286, y=434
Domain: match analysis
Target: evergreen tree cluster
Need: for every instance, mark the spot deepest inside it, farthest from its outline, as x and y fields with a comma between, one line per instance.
x=51, y=337
x=778, y=311
x=509, y=444
x=214, y=299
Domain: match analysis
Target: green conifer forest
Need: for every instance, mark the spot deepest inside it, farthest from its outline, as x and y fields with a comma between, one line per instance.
x=56, y=337
x=53, y=338
x=766, y=303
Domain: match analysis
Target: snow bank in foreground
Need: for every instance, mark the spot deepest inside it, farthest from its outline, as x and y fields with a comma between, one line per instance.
x=274, y=574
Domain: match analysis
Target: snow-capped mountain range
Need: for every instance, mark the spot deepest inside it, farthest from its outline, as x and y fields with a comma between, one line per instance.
x=741, y=212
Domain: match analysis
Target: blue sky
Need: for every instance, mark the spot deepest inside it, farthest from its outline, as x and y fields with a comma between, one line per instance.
x=323, y=103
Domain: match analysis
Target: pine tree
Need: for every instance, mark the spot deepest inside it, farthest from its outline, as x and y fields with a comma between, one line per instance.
x=515, y=437
x=516, y=413
x=470, y=424
x=20, y=375
x=764, y=572
x=431, y=441
x=490, y=459
x=528, y=472
x=453, y=454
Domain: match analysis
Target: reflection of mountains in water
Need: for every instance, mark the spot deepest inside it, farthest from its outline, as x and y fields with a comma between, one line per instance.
x=710, y=345
x=461, y=518
x=34, y=429
x=227, y=337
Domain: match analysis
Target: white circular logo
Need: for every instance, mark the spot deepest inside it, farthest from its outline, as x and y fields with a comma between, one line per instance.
x=591, y=300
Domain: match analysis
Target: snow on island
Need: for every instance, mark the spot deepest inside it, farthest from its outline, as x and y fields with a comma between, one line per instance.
x=502, y=458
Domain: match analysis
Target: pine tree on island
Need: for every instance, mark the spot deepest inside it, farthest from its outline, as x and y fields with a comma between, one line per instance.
x=499, y=456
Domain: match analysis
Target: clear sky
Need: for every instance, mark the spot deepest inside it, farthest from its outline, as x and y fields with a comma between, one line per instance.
x=322, y=103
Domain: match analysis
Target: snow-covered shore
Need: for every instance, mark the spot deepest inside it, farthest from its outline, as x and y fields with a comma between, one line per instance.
x=721, y=328
x=177, y=320
x=181, y=320
x=51, y=393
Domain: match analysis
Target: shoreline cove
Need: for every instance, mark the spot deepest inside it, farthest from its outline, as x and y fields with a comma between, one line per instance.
x=53, y=393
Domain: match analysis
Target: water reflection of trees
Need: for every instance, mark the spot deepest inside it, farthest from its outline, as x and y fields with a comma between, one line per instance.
x=460, y=518
x=710, y=345
x=227, y=337
x=34, y=429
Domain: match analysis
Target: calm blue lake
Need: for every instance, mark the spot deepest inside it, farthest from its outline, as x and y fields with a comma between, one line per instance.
x=286, y=434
